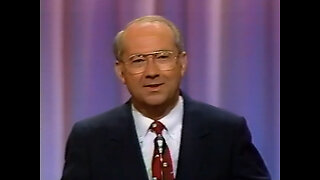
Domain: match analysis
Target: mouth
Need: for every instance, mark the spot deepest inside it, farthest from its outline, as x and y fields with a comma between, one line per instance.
x=153, y=86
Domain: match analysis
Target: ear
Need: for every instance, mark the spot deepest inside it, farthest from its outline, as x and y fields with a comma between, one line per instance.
x=118, y=68
x=184, y=62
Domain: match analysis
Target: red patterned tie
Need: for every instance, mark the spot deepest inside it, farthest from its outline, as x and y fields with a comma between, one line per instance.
x=161, y=163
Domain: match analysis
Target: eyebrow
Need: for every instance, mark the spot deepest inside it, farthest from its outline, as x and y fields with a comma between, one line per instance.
x=139, y=54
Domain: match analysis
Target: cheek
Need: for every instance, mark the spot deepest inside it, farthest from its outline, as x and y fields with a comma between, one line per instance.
x=132, y=81
x=132, y=86
x=174, y=79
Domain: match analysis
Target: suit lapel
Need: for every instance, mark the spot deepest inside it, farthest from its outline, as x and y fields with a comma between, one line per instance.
x=193, y=142
x=134, y=165
x=126, y=145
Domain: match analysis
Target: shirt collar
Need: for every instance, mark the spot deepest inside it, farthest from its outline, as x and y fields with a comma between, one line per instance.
x=172, y=120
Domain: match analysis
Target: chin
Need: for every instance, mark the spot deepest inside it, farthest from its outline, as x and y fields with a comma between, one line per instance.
x=155, y=100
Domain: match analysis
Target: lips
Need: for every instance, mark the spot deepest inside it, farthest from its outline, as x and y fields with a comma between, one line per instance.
x=153, y=85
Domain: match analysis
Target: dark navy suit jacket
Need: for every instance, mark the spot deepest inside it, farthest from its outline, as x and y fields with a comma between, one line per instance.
x=215, y=145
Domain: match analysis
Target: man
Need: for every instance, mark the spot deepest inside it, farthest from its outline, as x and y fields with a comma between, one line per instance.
x=160, y=133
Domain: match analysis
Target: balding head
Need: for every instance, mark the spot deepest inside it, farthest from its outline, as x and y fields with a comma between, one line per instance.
x=119, y=41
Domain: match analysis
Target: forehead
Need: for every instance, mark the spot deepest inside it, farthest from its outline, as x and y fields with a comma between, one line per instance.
x=146, y=37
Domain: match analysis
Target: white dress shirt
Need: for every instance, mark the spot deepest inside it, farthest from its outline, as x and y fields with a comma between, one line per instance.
x=173, y=123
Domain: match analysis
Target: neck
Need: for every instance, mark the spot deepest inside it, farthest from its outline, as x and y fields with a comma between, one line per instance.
x=156, y=112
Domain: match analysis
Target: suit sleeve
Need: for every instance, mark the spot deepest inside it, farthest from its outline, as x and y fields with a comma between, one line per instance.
x=76, y=165
x=247, y=162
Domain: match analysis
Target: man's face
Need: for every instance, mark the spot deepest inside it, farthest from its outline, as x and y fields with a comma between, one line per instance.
x=153, y=86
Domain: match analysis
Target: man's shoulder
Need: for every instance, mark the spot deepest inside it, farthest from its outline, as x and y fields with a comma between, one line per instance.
x=108, y=118
x=212, y=114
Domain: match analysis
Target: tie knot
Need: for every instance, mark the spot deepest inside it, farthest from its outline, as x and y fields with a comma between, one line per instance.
x=157, y=127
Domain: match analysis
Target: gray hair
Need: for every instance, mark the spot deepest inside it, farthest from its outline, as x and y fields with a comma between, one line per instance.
x=118, y=44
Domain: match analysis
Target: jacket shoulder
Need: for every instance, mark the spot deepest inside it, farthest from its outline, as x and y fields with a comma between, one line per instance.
x=109, y=119
x=212, y=114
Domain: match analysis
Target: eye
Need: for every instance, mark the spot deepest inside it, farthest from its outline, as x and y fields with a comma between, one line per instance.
x=137, y=61
x=162, y=56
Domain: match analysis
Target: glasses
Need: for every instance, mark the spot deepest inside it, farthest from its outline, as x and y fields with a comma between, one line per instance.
x=164, y=59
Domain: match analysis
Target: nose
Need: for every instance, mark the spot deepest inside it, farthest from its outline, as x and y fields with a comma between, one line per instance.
x=152, y=70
